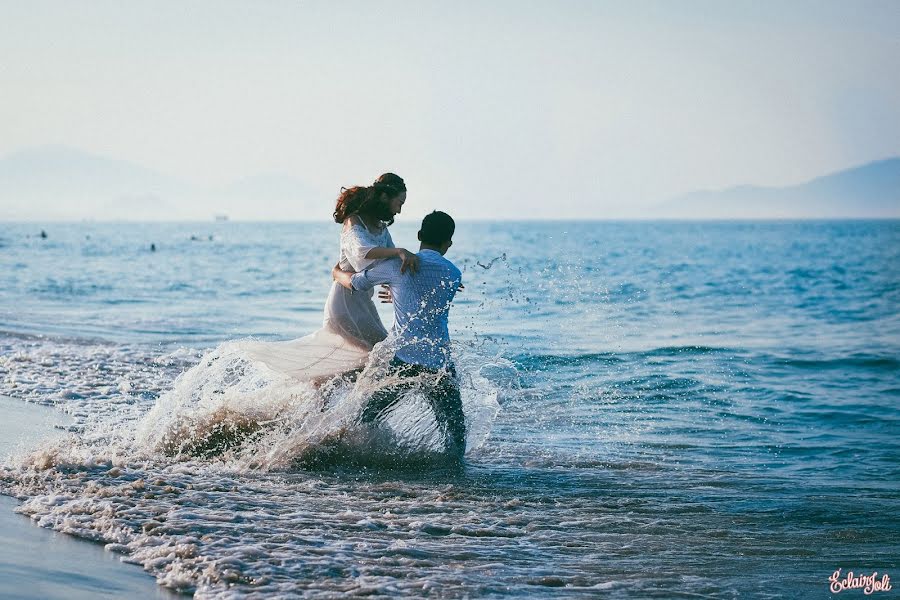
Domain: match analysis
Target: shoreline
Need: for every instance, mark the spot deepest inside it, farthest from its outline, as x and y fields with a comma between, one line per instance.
x=38, y=563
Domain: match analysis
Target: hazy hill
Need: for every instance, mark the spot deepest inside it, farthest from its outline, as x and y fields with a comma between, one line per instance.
x=60, y=183
x=55, y=182
x=868, y=191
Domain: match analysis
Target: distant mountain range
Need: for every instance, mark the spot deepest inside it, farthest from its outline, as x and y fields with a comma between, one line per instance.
x=869, y=191
x=61, y=183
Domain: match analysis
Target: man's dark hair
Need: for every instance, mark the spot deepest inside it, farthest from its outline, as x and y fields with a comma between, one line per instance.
x=437, y=228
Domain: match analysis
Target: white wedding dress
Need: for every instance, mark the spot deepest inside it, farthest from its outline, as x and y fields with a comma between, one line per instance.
x=351, y=325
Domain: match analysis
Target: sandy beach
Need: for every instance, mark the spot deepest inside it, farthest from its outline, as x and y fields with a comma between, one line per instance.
x=41, y=564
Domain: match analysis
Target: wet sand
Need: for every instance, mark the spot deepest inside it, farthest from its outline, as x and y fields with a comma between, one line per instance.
x=37, y=563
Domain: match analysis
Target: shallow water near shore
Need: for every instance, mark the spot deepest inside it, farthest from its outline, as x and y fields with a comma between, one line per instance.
x=685, y=409
x=44, y=565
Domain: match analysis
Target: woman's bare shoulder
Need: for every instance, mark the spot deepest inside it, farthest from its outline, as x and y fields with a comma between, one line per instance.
x=352, y=221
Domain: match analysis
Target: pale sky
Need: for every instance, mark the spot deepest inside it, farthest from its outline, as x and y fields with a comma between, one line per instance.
x=487, y=109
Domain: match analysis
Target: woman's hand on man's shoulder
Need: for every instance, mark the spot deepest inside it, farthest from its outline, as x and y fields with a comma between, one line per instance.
x=408, y=260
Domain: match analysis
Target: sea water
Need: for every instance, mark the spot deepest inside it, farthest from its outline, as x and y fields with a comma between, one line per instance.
x=664, y=409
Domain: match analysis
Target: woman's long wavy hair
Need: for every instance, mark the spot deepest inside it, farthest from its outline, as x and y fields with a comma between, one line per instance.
x=370, y=200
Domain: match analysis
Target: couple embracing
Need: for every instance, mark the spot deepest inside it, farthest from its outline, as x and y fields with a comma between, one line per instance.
x=422, y=286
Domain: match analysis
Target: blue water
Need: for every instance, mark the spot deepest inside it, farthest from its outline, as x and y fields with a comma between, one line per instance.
x=687, y=409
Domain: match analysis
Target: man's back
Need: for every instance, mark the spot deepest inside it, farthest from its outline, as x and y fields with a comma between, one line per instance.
x=421, y=305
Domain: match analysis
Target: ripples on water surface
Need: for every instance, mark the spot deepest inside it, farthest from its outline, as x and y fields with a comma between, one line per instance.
x=687, y=410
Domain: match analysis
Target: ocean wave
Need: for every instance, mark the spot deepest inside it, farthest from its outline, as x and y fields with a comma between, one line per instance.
x=853, y=361
x=69, y=287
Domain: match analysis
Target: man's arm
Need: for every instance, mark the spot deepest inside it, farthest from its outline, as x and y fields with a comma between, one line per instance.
x=385, y=271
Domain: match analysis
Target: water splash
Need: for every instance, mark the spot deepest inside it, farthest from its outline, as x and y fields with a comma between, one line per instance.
x=240, y=411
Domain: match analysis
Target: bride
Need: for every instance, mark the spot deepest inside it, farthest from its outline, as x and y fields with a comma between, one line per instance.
x=351, y=324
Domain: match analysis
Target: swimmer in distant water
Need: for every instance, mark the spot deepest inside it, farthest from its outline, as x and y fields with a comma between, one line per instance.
x=421, y=309
x=43, y=234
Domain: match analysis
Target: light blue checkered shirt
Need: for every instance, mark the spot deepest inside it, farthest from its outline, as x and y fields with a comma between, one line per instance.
x=421, y=305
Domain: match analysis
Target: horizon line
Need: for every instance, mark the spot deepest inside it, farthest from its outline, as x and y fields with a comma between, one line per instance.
x=458, y=220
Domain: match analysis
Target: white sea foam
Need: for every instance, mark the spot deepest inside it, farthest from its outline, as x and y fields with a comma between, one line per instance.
x=192, y=487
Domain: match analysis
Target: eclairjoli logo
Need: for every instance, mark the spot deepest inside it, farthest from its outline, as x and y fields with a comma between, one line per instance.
x=868, y=583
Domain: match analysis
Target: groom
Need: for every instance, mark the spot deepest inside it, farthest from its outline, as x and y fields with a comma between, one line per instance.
x=421, y=307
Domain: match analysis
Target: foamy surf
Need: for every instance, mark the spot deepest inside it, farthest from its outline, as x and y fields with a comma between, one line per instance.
x=162, y=486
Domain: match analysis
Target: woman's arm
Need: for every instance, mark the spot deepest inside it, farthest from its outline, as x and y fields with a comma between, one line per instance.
x=408, y=260
x=362, y=247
